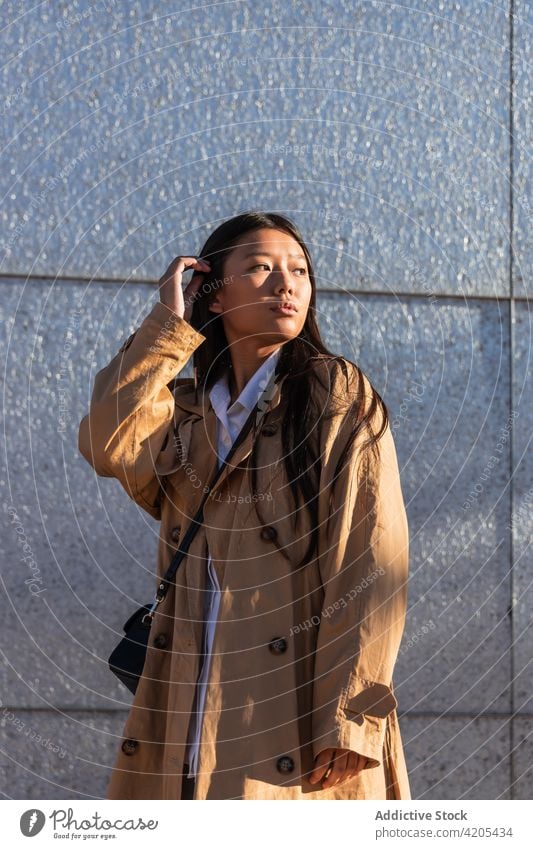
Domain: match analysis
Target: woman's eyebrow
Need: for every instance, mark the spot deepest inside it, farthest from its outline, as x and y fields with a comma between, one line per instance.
x=265, y=253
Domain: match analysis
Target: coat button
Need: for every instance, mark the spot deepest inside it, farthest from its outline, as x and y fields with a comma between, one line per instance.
x=278, y=645
x=268, y=532
x=129, y=747
x=160, y=642
x=285, y=764
x=269, y=430
x=175, y=533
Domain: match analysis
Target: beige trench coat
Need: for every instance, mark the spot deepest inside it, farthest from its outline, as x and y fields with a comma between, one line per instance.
x=272, y=704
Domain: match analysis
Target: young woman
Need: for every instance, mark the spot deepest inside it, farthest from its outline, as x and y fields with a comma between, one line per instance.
x=269, y=667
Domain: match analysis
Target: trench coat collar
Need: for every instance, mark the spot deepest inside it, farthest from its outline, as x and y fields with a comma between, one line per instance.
x=202, y=408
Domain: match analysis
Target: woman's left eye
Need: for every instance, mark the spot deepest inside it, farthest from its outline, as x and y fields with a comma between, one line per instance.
x=264, y=265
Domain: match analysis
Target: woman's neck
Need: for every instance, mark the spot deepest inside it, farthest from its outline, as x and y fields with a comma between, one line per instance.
x=242, y=370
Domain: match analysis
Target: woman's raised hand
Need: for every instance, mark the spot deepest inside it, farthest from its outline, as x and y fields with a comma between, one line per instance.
x=170, y=284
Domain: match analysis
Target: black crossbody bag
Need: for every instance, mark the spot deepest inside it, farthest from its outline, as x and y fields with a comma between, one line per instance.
x=127, y=659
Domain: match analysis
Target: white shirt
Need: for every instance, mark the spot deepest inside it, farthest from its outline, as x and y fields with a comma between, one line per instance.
x=229, y=423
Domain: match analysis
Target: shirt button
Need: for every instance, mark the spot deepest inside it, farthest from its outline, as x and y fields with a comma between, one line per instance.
x=268, y=532
x=285, y=764
x=129, y=747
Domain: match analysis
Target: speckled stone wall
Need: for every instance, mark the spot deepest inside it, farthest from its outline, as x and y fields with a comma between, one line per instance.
x=398, y=137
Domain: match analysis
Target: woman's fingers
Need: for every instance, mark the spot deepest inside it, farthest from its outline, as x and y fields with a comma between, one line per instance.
x=345, y=764
x=321, y=765
x=189, y=293
x=355, y=764
x=339, y=765
x=170, y=284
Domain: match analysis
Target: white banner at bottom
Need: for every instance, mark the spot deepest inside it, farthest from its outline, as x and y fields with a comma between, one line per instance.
x=265, y=824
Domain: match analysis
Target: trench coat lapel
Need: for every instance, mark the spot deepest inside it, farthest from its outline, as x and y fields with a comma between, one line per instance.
x=199, y=433
x=245, y=448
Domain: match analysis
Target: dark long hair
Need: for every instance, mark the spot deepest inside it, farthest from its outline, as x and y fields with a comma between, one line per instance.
x=298, y=361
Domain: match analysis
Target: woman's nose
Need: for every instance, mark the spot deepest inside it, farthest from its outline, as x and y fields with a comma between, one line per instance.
x=283, y=280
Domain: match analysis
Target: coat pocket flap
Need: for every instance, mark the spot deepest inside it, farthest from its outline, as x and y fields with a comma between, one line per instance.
x=371, y=698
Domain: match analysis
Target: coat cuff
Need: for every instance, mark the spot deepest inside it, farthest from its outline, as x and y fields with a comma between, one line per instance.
x=360, y=722
x=164, y=330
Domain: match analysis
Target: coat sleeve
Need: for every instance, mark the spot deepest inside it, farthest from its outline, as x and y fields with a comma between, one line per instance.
x=363, y=562
x=132, y=409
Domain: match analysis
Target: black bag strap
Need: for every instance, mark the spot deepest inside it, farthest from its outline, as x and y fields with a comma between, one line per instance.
x=253, y=420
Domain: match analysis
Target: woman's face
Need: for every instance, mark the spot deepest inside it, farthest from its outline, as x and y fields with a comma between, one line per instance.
x=266, y=267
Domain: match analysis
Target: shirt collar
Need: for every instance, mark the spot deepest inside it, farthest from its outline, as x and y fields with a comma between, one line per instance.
x=219, y=393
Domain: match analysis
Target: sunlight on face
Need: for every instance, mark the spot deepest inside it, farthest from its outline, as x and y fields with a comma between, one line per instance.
x=266, y=267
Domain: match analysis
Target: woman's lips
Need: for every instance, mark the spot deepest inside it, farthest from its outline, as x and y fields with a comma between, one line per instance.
x=283, y=309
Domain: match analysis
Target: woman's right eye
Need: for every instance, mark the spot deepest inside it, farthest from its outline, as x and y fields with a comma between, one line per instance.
x=259, y=265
